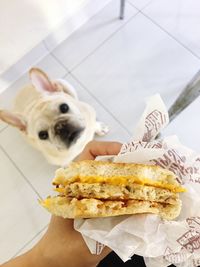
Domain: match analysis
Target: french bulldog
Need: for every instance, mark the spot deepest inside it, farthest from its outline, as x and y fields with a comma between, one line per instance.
x=52, y=118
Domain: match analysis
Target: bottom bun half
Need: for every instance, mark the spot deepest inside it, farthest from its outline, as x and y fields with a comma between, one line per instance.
x=90, y=208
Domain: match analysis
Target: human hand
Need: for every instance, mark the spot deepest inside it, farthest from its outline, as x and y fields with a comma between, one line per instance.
x=61, y=245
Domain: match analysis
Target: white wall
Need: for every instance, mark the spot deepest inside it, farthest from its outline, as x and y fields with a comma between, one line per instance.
x=25, y=23
x=29, y=29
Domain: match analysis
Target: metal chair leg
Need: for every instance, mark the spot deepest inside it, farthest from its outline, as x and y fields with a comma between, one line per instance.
x=187, y=96
x=122, y=7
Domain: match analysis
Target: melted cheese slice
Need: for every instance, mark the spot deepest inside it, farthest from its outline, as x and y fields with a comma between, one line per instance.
x=125, y=181
x=60, y=190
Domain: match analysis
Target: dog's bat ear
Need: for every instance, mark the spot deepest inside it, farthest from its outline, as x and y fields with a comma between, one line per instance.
x=13, y=119
x=41, y=81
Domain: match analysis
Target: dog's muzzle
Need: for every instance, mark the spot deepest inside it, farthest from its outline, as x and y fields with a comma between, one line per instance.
x=67, y=132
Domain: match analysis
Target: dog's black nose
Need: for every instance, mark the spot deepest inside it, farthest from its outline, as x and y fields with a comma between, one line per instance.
x=68, y=133
x=61, y=128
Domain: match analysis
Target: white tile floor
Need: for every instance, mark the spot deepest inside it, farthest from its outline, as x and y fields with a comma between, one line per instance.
x=114, y=65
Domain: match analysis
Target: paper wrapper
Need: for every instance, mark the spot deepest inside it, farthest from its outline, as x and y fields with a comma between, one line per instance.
x=160, y=242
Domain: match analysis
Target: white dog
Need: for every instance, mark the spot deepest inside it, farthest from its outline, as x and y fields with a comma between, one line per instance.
x=53, y=120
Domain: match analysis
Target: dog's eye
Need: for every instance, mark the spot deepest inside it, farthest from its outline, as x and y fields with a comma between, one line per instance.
x=64, y=108
x=43, y=135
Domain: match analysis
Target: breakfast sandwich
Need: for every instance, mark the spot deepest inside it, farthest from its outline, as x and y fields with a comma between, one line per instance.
x=90, y=188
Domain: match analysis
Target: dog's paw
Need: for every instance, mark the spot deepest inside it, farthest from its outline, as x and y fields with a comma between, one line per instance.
x=101, y=128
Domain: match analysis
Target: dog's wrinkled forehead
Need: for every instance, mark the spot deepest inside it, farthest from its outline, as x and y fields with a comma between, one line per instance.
x=51, y=108
x=51, y=105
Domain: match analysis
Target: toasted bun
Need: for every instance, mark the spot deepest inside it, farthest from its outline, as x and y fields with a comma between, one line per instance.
x=88, y=208
x=91, y=171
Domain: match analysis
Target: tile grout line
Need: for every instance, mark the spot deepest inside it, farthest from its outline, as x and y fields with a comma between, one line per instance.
x=24, y=71
x=99, y=102
x=24, y=177
x=169, y=34
x=70, y=72
x=107, y=39
x=51, y=54
x=140, y=9
x=59, y=62
x=28, y=242
x=5, y=127
x=163, y=29
x=44, y=41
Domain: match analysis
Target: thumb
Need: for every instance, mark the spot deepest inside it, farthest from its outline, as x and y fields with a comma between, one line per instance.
x=96, y=148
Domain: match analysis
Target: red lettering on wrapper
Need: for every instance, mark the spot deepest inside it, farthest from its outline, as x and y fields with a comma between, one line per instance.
x=194, y=223
x=190, y=240
x=153, y=124
x=174, y=258
x=135, y=145
x=172, y=161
